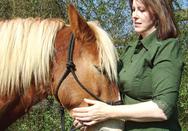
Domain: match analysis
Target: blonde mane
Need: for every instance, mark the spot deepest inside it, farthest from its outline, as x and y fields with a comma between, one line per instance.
x=107, y=52
x=26, y=48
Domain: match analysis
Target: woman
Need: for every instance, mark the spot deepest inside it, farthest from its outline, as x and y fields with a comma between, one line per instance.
x=150, y=75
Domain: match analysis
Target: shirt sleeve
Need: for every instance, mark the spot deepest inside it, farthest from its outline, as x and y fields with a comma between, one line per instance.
x=166, y=76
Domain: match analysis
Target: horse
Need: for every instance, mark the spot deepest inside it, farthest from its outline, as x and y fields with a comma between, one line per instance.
x=33, y=54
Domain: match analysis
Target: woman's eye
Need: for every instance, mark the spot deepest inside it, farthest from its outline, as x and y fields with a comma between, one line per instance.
x=142, y=9
x=100, y=69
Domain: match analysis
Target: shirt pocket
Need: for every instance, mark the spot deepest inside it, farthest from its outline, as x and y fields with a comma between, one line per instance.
x=142, y=83
x=131, y=80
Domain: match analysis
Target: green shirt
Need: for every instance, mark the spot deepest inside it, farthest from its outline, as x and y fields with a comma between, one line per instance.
x=151, y=70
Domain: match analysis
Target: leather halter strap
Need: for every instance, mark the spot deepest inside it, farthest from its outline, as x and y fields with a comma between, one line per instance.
x=71, y=68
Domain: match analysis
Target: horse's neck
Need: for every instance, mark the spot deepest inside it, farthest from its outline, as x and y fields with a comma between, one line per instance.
x=59, y=60
x=14, y=106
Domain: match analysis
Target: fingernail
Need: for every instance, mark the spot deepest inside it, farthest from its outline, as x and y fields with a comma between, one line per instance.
x=74, y=109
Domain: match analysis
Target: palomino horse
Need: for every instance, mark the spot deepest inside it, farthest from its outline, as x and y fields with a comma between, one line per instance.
x=33, y=59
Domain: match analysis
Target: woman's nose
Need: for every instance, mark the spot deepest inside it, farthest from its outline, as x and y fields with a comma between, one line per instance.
x=134, y=14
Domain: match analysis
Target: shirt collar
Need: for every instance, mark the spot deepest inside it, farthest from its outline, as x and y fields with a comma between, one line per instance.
x=149, y=39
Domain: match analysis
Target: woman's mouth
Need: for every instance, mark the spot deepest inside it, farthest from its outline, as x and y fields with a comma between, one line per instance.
x=137, y=24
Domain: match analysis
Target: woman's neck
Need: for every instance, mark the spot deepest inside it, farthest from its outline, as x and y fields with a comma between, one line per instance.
x=146, y=33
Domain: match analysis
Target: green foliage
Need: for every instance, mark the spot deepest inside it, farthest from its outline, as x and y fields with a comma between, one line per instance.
x=111, y=14
x=44, y=116
x=31, y=8
x=40, y=118
x=5, y=9
x=183, y=102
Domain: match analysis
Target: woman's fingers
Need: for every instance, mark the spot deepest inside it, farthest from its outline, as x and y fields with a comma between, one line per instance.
x=86, y=109
x=92, y=114
x=94, y=104
x=89, y=123
x=91, y=102
x=84, y=118
x=81, y=109
x=76, y=123
x=82, y=114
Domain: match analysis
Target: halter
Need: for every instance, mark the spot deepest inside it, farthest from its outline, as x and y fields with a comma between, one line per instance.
x=71, y=68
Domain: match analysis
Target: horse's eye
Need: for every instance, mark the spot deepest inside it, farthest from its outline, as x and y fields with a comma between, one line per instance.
x=98, y=69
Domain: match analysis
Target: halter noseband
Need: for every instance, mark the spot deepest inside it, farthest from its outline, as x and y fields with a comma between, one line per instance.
x=71, y=68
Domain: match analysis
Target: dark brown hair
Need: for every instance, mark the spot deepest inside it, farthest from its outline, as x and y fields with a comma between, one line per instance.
x=162, y=11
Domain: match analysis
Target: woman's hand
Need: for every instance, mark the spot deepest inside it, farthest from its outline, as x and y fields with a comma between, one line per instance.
x=97, y=112
x=78, y=125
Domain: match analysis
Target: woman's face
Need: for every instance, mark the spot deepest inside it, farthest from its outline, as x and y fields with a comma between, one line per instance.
x=143, y=22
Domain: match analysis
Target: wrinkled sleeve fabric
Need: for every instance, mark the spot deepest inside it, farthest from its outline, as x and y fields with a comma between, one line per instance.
x=166, y=75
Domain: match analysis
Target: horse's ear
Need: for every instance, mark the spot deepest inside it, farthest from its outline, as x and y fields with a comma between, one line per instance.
x=79, y=26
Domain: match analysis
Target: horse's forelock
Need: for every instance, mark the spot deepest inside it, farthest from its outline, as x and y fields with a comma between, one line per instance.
x=26, y=48
x=107, y=52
